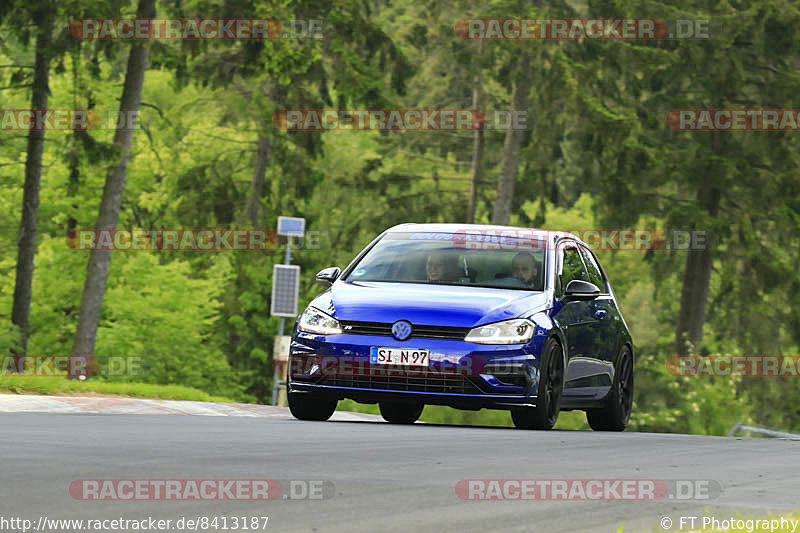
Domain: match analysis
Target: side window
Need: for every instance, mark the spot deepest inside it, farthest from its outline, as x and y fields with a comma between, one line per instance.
x=594, y=271
x=571, y=267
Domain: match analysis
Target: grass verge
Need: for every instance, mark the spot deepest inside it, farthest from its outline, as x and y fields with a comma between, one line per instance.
x=60, y=386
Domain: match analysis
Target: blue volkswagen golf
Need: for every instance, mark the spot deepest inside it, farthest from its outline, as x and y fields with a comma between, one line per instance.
x=467, y=316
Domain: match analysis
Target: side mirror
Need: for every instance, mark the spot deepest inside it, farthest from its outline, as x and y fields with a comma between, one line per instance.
x=581, y=290
x=327, y=276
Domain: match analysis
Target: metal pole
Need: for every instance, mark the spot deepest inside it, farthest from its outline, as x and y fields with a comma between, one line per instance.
x=276, y=378
x=287, y=260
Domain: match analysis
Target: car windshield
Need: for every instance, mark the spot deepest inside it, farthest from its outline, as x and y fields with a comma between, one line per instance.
x=478, y=259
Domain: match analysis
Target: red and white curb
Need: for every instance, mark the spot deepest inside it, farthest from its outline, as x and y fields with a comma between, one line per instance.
x=21, y=403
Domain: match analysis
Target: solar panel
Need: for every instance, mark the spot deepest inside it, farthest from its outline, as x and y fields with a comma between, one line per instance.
x=285, y=282
x=291, y=226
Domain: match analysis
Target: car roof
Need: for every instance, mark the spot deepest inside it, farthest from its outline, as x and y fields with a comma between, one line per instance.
x=455, y=228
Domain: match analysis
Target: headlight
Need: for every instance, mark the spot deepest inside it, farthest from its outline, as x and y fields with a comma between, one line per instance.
x=315, y=321
x=517, y=331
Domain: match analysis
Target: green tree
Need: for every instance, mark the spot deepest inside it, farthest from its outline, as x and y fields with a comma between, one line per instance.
x=42, y=14
x=99, y=260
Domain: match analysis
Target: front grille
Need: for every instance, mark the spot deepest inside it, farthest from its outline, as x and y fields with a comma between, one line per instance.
x=418, y=331
x=444, y=384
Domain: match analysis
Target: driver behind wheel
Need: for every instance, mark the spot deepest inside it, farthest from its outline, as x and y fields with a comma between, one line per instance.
x=526, y=269
x=442, y=266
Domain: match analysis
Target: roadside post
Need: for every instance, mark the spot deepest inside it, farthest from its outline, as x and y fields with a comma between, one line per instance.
x=285, y=285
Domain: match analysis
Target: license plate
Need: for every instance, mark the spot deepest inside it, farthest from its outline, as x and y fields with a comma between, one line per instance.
x=399, y=356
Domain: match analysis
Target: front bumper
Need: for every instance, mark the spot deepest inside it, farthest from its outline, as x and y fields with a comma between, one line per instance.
x=460, y=374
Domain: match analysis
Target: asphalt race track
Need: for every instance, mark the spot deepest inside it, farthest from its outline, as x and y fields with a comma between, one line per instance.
x=385, y=477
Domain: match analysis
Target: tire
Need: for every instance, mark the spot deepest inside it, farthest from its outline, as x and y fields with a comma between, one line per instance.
x=401, y=413
x=548, y=397
x=617, y=412
x=308, y=407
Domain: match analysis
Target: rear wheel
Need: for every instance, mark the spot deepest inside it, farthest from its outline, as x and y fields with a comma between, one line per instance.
x=548, y=398
x=401, y=413
x=617, y=412
x=308, y=407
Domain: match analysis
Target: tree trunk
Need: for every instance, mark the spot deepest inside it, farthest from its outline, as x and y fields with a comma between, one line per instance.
x=29, y=222
x=477, y=153
x=694, y=295
x=697, y=276
x=97, y=270
x=259, y=180
x=511, y=147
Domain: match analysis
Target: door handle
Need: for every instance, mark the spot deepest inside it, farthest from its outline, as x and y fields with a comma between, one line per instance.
x=599, y=314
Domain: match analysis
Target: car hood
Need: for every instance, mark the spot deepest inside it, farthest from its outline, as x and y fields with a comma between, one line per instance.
x=440, y=305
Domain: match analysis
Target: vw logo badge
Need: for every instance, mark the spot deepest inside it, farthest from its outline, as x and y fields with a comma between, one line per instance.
x=401, y=330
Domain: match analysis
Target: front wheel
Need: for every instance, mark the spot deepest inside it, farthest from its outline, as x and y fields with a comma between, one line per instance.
x=308, y=407
x=401, y=413
x=548, y=398
x=617, y=412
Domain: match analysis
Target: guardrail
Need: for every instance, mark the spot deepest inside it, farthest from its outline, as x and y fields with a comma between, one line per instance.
x=740, y=426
